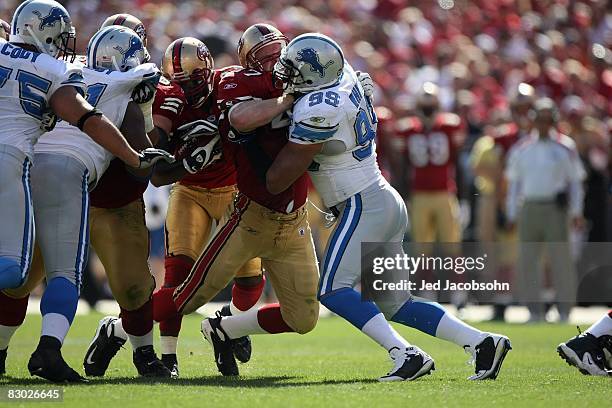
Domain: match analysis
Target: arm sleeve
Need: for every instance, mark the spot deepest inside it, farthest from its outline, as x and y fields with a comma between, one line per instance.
x=311, y=126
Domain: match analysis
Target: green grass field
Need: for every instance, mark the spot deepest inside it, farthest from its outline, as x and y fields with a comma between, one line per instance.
x=332, y=366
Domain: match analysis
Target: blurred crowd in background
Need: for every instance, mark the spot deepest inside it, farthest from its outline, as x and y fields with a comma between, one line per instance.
x=490, y=60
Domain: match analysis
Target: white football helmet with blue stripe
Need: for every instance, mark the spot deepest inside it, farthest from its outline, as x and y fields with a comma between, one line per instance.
x=310, y=62
x=117, y=48
x=46, y=25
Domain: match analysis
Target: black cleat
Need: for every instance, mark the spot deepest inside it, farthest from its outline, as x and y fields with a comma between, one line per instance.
x=50, y=365
x=103, y=348
x=3, y=361
x=216, y=336
x=241, y=346
x=408, y=364
x=585, y=352
x=147, y=363
x=489, y=356
x=171, y=363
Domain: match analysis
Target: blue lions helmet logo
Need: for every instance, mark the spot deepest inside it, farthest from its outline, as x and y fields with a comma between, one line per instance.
x=311, y=57
x=55, y=15
x=129, y=52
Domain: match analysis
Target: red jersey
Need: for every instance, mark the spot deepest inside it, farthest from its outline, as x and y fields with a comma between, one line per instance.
x=432, y=153
x=242, y=85
x=170, y=102
x=117, y=187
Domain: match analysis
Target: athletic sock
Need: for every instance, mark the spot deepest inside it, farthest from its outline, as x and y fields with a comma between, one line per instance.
x=138, y=324
x=600, y=328
x=431, y=318
x=168, y=344
x=12, y=316
x=245, y=297
x=266, y=320
x=163, y=304
x=177, y=269
x=58, y=307
x=379, y=330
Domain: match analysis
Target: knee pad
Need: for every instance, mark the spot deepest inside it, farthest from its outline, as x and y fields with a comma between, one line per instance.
x=11, y=275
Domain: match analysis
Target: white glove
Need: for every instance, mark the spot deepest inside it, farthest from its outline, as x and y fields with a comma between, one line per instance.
x=366, y=83
x=202, y=156
x=195, y=129
x=147, y=111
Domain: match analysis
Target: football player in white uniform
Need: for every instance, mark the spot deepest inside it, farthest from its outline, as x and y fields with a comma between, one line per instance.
x=34, y=87
x=332, y=135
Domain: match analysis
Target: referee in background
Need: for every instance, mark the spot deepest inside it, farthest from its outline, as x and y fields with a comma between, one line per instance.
x=545, y=194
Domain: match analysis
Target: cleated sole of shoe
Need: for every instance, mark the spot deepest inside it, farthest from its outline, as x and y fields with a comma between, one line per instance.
x=501, y=349
x=427, y=369
x=89, y=351
x=572, y=359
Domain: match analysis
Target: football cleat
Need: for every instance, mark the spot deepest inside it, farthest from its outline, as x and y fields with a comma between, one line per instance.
x=102, y=348
x=3, y=361
x=147, y=363
x=171, y=363
x=488, y=356
x=224, y=355
x=50, y=365
x=408, y=364
x=584, y=352
x=241, y=346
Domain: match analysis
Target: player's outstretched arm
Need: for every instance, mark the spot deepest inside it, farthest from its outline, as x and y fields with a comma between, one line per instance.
x=133, y=129
x=69, y=105
x=289, y=165
x=249, y=115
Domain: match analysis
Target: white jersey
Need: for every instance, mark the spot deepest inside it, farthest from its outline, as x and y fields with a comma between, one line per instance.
x=110, y=92
x=27, y=81
x=344, y=120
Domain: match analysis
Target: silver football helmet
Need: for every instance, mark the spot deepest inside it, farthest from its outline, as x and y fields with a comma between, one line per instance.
x=46, y=25
x=116, y=48
x=131, y=22
x=310, y=62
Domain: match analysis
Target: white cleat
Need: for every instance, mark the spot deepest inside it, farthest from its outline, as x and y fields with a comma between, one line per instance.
x=408, y=364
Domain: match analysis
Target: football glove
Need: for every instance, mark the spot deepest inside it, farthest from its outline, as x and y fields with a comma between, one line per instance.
x=49, y=120
x=195, y=129
x=148, y=157
x=202, y=156
x=366, y=83
x=145, y=91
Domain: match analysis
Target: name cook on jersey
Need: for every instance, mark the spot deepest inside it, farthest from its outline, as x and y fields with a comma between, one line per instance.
x=405, y=285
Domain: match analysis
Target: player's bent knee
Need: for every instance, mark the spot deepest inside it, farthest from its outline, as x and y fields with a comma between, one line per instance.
x=133, y=296
x=303, y=323
x=11, y=276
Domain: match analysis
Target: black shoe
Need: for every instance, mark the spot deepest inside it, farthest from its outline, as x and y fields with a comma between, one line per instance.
x=489, y=356
x=585, y=353
x=103, y=348
x=605, y=342
x=408, y=364
x=147, y=363
x=171, y=363
x=3, y=361
x=241, y=346
x=224, y=355
x=50, y=365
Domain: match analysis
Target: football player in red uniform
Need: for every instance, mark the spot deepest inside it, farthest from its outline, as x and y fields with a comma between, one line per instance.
x=186, y=116
x=272, y=227
x=431, y=140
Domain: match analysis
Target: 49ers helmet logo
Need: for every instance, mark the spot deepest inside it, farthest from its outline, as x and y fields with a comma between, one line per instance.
x=202, y=52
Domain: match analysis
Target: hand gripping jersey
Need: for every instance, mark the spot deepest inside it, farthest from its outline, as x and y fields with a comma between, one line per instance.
x=110, y=92
x=343, y=120
x=27, y=81
x=170, y=102
x=432, y=153
x=243, y=85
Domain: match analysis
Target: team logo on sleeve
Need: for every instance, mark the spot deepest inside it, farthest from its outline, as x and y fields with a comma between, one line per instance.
x=134, y=46
x=311, y=57
x=55, y=15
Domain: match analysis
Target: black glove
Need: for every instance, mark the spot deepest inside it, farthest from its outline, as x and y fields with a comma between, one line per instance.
x=148, y=157
x=49, y=120
x=195, y=129
x=202, y=156
x=145, y=91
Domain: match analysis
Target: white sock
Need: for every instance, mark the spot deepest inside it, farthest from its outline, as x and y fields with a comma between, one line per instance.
x=454, y=330
x=600, y=328
x=118, y=329
x=141, y=341
x=379, y=330
x=235, y=311
x=169, y=344
x=6, y=332
x=244, y=324
x=55, y=325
